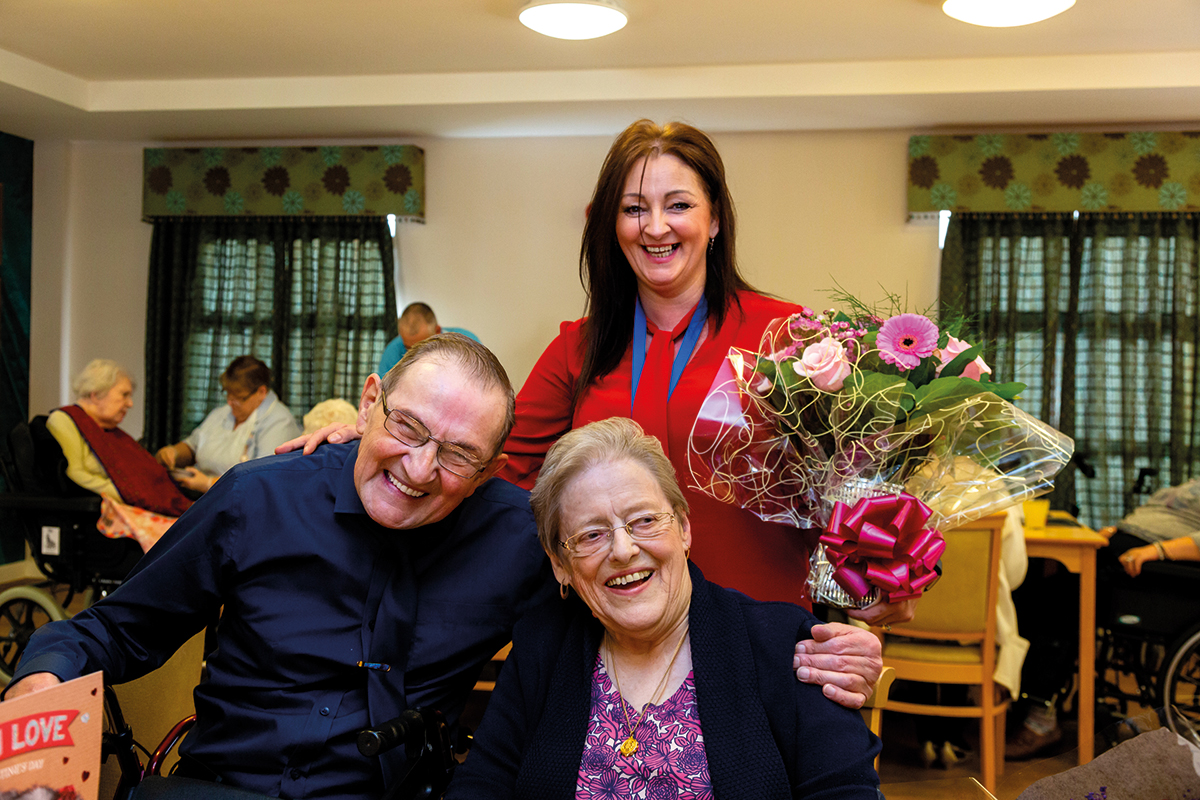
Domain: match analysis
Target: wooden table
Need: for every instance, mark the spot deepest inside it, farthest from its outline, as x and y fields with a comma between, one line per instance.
x=1074, y=546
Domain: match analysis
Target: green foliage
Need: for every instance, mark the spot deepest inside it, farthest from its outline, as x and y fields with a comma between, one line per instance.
x=870, y=402
x=960, y=361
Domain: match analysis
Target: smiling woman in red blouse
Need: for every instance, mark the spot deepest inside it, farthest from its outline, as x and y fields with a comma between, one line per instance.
x=665, y=303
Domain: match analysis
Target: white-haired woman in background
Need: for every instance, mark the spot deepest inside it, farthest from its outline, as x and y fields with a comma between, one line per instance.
x=104, y=459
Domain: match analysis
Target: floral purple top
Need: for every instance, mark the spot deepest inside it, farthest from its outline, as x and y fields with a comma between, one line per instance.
x=669, y=762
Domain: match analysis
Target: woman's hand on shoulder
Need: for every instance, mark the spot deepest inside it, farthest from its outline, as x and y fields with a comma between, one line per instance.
x=844, y=660
x=334, y=433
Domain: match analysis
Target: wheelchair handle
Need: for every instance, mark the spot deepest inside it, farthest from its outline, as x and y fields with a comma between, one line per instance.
x=408, y=729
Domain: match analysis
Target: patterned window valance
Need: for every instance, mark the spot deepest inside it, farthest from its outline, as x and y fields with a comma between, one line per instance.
x=1139, y=171
x=275, y=181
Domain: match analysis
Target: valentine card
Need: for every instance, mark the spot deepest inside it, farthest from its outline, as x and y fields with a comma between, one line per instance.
x=50, y=742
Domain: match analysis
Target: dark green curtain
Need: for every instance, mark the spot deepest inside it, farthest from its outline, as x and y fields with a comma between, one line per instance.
x=313, y=297
x=16, y=239
x=1097, y=314
x=174, y=249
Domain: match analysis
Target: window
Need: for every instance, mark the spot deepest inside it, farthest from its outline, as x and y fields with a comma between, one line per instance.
x=312, y=297
x=1097, y=314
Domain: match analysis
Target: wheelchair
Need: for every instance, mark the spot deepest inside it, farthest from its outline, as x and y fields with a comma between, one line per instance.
x=1149, y=644
x=431, y=757
x=57, y=519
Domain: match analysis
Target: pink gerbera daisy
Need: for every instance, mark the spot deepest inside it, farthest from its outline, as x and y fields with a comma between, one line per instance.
x=905, y=339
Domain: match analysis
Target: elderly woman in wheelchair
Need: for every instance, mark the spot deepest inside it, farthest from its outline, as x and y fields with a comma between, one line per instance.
x=141, y=498
x=1150, y=603
x=53, y=469
x=1166, y=528
x=100, y=456
x=1148, y=613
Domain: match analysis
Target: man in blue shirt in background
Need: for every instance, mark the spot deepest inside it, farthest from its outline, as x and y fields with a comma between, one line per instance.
x=366, y=579
x=416, y=324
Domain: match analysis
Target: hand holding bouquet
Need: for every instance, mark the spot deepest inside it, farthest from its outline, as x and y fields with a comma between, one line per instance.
x=876, y=431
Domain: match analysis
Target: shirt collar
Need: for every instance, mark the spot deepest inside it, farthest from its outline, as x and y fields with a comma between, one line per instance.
x=347, y=500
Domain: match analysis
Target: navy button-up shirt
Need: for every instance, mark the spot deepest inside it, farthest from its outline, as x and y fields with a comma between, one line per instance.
x=311, y=586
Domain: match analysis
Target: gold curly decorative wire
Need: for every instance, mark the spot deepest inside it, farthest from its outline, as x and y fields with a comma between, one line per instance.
x=781, y=453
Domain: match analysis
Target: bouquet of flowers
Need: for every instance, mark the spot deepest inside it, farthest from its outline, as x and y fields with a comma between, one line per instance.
x=879, y=432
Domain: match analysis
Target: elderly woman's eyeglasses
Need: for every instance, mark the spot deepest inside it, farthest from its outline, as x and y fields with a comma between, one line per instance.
x=412, y=433
x=641, y=528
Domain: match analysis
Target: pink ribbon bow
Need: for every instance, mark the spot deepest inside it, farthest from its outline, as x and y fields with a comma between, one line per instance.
x=883, y=542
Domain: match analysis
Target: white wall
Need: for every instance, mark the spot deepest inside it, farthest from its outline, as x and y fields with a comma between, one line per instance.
x=47, y=288
x=499, y=252
x=90, y=257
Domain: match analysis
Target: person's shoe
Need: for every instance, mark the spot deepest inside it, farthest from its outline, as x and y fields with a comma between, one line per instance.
x=928, y=755
x=1027, y=743
x=951, y=755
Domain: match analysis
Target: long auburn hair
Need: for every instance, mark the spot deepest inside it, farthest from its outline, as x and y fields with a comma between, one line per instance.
x=608, y=279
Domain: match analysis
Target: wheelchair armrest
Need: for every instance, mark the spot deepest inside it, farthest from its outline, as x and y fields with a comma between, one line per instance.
x=154, y=766
x=27, y=502
x=1174, y=569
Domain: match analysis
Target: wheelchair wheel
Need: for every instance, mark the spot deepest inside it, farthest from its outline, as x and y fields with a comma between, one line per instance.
x=1180, y=684
x=23, y=609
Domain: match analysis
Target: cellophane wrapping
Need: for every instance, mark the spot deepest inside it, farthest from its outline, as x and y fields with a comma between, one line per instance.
x=769, y=440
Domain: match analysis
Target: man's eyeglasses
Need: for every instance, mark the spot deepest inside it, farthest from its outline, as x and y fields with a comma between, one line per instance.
x=641, y=528
x=412, y=433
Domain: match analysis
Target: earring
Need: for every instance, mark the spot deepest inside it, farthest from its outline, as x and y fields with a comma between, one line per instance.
x=563, y=590
x=687, y=553
x=711, y=242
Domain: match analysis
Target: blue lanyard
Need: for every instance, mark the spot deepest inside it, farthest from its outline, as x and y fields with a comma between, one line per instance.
x=686, y=346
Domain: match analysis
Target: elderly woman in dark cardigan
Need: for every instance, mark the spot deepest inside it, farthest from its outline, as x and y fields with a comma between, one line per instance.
x=659, y=683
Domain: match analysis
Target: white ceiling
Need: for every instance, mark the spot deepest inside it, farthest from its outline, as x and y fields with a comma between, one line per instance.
x=172, y=70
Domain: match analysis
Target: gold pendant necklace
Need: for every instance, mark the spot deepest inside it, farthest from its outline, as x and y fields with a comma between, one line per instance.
x=630, y=745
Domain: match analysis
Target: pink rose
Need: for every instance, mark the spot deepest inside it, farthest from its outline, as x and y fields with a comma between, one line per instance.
x=785, y=353
x=955, y=346
x=825, y=364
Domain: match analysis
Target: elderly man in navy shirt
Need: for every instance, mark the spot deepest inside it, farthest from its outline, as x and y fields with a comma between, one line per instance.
x=366, y=579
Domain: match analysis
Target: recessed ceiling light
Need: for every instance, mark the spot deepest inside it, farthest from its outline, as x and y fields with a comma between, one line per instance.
x=578, y=19
x=1005, y=13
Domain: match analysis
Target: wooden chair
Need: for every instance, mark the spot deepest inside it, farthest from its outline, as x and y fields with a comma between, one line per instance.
x=952, y=638
x=487, y=682
x=155, y=703
x=872, y=710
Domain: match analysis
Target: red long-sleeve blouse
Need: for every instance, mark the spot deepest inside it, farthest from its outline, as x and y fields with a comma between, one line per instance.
x=733, y=547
